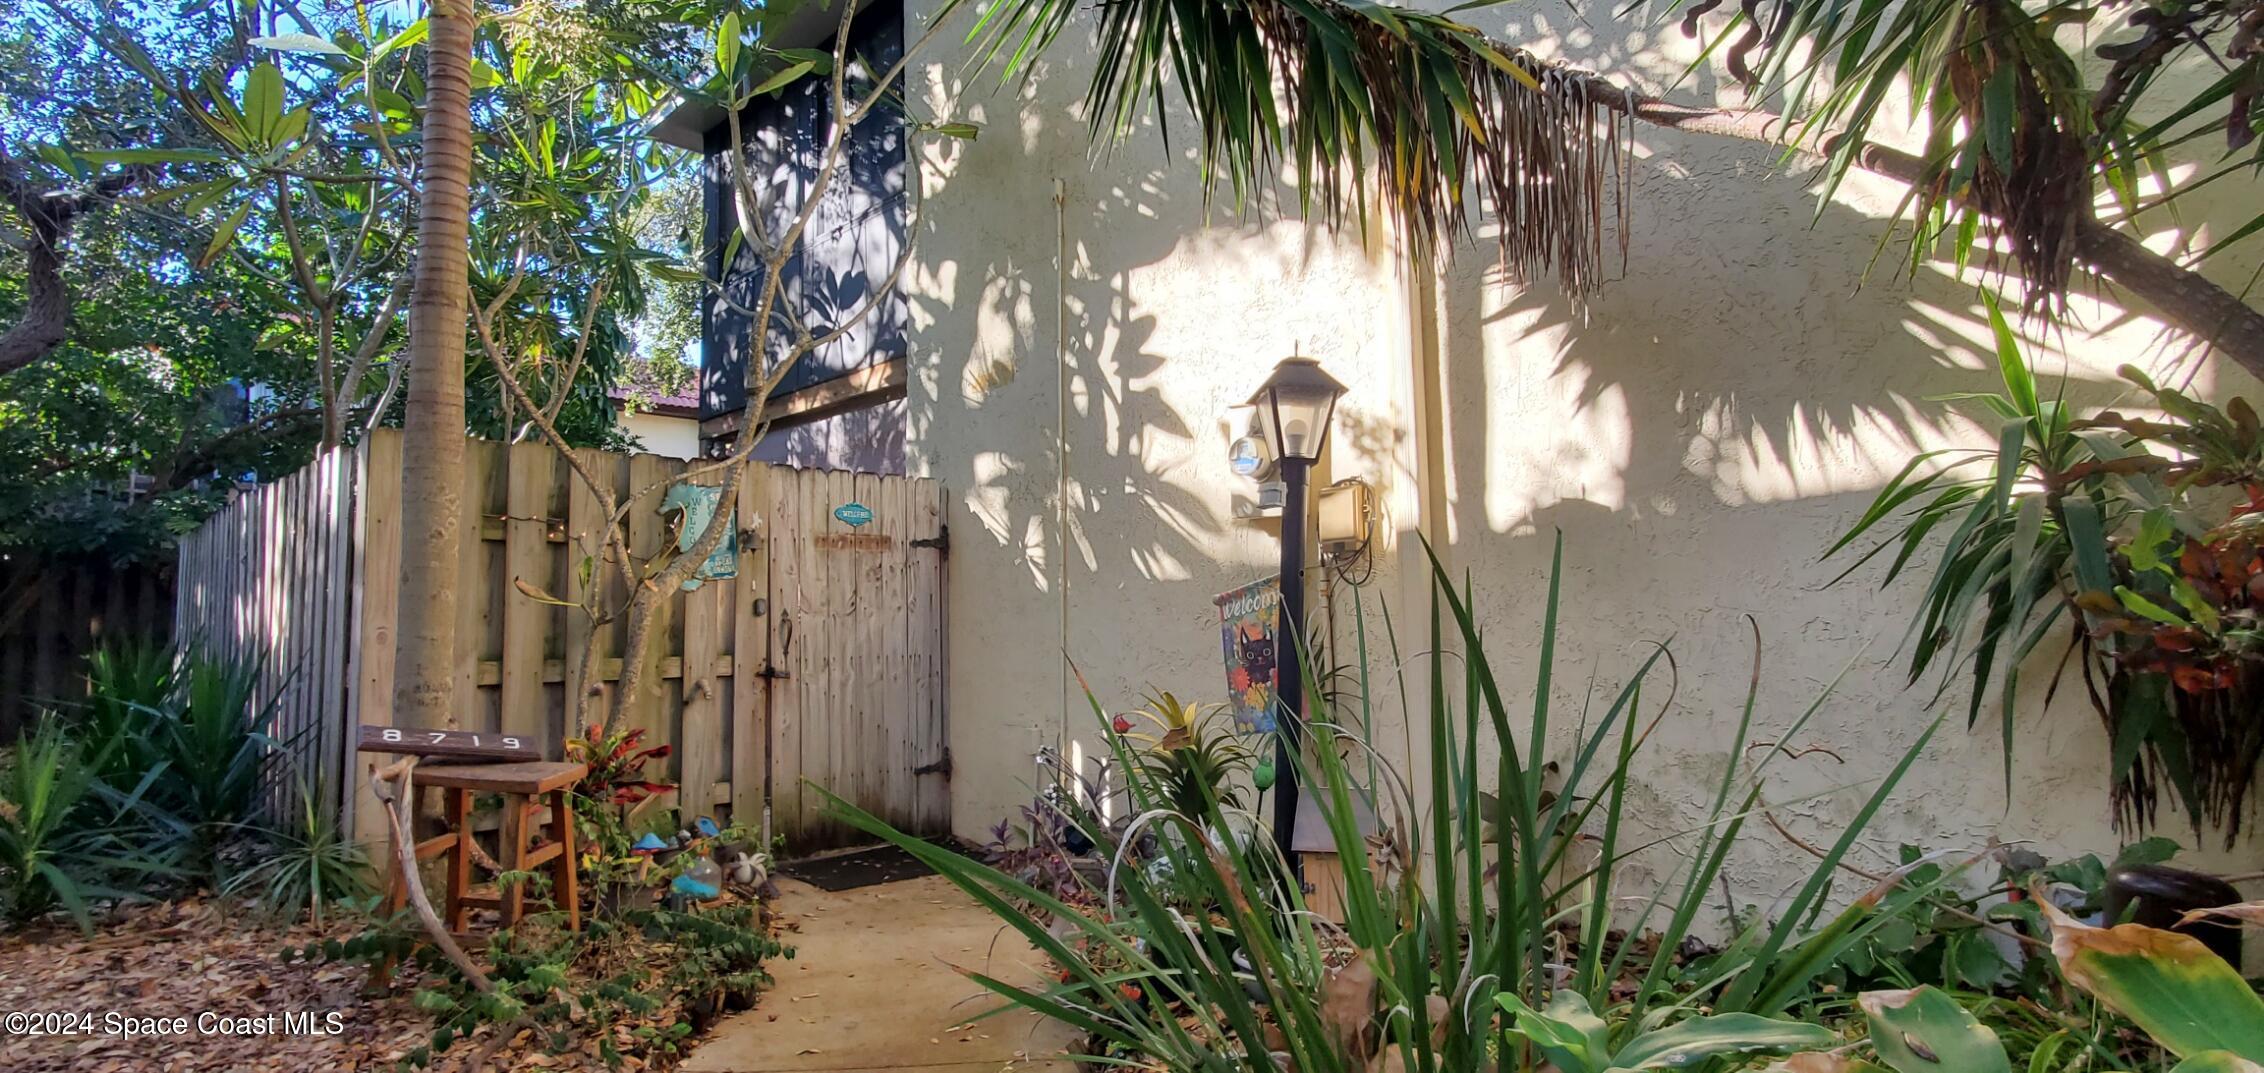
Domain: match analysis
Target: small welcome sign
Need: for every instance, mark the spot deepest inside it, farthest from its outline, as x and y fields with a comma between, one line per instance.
x=1249, y=622
x=853, y=515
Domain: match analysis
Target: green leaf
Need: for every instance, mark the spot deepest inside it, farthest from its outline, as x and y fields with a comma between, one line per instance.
x=967, y=131
x=2087, y=538
x=2155, y=528
x=2186, y=997
x=2155, y=850
x=1926, y=1031
x=727, y=45
x=67, y=891
x=263, y=100
x=2145, y=608
x=1998, y=110
x=1689, y=1042
x=2217, y=1062
x=2204, y=613
x=298, y=43
x=1568, y=1032
x=225, y=235
x=783, y=79
x=413, y=34
x=2020, y=384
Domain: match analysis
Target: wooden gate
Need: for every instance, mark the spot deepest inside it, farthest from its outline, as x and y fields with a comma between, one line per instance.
x=821, y=660
x=857, y=639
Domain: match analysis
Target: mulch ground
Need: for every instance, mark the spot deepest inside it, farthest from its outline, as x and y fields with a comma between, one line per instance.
x=197, y=958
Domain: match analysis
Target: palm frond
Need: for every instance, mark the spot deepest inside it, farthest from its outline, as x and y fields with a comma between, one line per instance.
x=1373, y=107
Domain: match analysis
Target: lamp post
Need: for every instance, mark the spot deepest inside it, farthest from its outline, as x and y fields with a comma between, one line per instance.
x=1294, y=407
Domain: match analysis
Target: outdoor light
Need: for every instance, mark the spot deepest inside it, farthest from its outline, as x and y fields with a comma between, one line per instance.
x=1294, y=407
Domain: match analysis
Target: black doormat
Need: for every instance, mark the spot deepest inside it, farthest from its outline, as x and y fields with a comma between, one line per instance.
x=858, y=868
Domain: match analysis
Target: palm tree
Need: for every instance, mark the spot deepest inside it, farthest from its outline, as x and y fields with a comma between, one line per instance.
x=1432, y=108
x=432, y=457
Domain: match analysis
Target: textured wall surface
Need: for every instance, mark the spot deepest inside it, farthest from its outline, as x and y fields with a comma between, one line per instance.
x=1699, y=434
x=660, y=434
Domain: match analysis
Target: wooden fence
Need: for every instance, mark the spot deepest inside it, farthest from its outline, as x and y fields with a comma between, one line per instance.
x=270, y=579
x=821, y=658
x=53, y=614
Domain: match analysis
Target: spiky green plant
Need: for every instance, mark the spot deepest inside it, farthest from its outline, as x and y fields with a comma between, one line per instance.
x=125, y=682
x=65, y=838
x=1436, y=936
x=309, y=862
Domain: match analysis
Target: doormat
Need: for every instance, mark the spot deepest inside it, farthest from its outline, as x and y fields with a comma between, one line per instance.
x=858, y=868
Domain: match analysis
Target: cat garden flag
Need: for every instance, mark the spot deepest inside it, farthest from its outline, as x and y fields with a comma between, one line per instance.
x=1249, y=619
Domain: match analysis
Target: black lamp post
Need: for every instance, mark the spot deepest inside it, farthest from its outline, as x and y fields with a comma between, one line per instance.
x=1294, y=407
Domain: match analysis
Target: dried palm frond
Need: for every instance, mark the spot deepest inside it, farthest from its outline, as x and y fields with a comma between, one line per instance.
x=2018, y=140
x=1374, y=107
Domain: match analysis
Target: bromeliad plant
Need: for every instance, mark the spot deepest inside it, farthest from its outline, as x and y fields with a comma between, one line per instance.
x=1453, y=955
x=1185, y=754
x=2139, y=542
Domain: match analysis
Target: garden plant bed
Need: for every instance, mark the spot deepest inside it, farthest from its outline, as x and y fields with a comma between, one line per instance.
x=195, y=957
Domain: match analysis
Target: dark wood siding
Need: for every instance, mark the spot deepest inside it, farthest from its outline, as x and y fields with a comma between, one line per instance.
x=852, y=241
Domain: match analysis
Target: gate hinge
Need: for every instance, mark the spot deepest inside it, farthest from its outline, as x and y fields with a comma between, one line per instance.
x=941, y=541
x=941, y=767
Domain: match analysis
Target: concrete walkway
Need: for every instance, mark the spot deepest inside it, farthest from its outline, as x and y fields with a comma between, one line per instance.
x=869, y=989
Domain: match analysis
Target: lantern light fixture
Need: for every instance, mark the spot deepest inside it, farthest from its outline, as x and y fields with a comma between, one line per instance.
x=1294, y=407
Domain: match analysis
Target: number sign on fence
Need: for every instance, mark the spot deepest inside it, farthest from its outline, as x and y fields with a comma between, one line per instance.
x=446, y=744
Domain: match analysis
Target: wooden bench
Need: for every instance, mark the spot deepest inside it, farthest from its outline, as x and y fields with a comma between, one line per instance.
x=523, y=786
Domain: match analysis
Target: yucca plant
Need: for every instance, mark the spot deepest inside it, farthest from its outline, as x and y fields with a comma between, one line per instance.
x=211, y=737
x=1218, y=964
x=309, y=862
x=65, y=840
x=126, y=681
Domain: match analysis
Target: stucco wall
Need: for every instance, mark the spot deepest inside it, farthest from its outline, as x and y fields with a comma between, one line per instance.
x=1699, y=434
x=672, y=437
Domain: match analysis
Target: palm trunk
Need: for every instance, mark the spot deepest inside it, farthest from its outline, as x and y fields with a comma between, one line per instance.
x=432, y=457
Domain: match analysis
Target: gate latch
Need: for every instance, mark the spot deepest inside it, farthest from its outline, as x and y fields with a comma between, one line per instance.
x=941, y=541
x=941, y=767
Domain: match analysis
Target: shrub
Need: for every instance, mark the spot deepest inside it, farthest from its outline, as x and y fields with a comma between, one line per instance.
x=65, y=839
x=182, y=733
x=1434, y=943
x=308, y=863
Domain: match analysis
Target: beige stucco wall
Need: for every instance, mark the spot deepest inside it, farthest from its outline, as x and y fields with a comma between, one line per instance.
x=661, y=434
x=1699, y=434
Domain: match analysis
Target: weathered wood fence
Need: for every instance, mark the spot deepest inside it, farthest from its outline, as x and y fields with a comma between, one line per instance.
x=270, y=579
x=53, y=614
x=820, y=659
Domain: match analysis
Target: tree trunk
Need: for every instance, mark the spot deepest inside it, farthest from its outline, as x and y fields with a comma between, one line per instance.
x=47, y=218
x=432, y=456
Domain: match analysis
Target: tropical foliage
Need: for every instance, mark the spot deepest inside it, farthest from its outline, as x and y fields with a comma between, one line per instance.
x=1459, y=948
x=2130, y=544
x=160, y=776
x=1416, y=113
x=1195, y=949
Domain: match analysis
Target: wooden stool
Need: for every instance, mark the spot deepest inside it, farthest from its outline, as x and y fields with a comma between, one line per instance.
x=522, y=786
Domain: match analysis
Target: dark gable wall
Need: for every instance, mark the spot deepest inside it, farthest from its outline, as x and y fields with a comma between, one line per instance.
x=852, y=240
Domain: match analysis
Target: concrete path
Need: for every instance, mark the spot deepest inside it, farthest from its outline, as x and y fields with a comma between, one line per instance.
x=869, y=989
